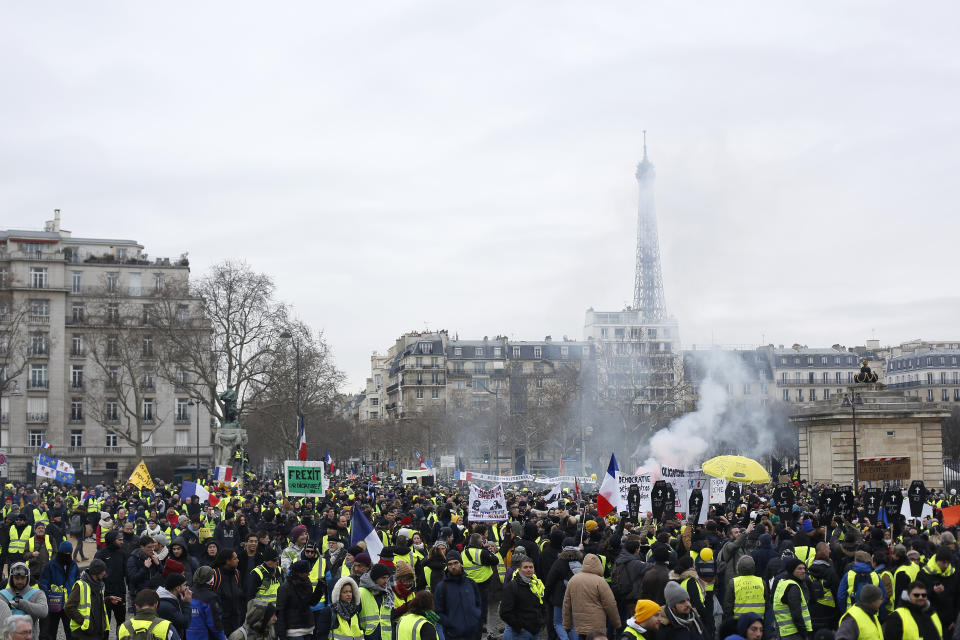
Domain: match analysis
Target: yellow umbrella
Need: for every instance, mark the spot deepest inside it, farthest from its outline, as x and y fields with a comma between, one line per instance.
x=736, y=469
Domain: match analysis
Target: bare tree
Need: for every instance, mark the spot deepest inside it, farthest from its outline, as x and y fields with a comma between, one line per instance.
x=16, y=344
x=224, y=331
x=123, y=375
x=302, y=359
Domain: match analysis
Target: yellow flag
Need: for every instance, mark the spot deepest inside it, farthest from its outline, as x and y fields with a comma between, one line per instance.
x=140, y=477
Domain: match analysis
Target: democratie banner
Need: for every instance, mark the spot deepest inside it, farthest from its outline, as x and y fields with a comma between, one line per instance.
x=487, y=505
x=470, y=476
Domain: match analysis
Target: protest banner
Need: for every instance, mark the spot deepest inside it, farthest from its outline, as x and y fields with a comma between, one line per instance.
x=140, y=477
x=683, y=481
x=644, y=482
x=487, y=505
x=304, y=478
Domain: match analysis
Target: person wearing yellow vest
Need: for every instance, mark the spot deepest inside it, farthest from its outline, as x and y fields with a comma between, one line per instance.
x=644, y=622
x=376, y=603
x=38, y=551
x=907, y=572
x=824, y=583
x=264, y=580
x=86, y=606
x=860, y=622
x=789, y=603
x=344, y=611
x=521, y=606
x=939, y=576
x=403, y=591
x=914, y=617
x=419, y=623
x=20, y=532
x=146, y=602
x=480, y=565
x=295, y=599
x=860, y=571
x=746, y=593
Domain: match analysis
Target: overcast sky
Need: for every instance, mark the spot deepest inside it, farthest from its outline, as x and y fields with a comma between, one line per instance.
x=469, y=166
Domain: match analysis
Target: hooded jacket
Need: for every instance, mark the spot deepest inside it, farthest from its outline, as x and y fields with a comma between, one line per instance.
x=35, y=606
x=188, y=561
x=58, y=578
x=458, y=605
x=550, y=553
x=116, y=561
x=589, y=603
x=226, y=583
x=256, y=626
x=206, y=620
x=559, y=574
x=175, y=610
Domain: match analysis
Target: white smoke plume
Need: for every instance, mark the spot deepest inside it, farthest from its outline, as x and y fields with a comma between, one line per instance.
x=730, y=418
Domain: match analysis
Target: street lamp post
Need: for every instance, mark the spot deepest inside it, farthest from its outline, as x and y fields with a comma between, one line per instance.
x=286, y=335
x=852, y=403
x=196, y=405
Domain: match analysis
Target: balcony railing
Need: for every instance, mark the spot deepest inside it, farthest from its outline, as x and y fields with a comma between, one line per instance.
x=807, y=383
x=38, y=384
x=78, y=353
x=39, y=319
x=125, y=450
x=182, y=420
x=37, y=418
x=55, y=256
x=76, y=420
x=77, y=385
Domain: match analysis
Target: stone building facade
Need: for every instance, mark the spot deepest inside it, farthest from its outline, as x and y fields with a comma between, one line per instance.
x=76, y=293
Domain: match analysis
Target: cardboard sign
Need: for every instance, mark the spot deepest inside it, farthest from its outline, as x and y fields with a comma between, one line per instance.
x=303, y=478
x=644, y=484
x=718, y=490
x=877, y=469
x=732, y=496
x=487, y=505
x=695, y=506
x=892, y=503
x=662, y=500
x=845, y=499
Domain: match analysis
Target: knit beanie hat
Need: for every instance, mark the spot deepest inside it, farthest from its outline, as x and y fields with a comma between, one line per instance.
x=362, y=558
x=173, y=581
x=379, y=571
x=453, y=554
x=296, y=532
x=171, y=566
x=590, y=525
x=403, y=570
x=790, y=565
x=674, y=594
x=645, y=610
x=203, y=575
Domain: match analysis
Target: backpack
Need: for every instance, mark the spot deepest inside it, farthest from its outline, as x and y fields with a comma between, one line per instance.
x=141, y=634
x=620, y=581
x=860, y=579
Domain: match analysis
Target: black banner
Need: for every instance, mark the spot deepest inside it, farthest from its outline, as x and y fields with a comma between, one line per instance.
x=783, y=496
x=633, y=503
x=828, y=502
x=732, y=495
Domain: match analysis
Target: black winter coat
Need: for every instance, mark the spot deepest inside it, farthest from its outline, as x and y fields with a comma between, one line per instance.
x=116, y=561
x=226, y=583
x=520, y=609
x=294, y=599
x=560, y=571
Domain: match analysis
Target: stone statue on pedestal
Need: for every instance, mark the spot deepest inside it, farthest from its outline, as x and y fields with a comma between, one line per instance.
x=230, y=436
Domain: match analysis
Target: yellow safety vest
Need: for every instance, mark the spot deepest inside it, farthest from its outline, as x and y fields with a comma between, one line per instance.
x=18, y=541
x=399, y=602
x=805, y=554
x=267, y=592
x=748, y=595
x=372, y=616
x=157, y=626
x=634, y=633
x=409, y=625
x=912, y=570
x=868, y=625
x=890, y=601
x=347, y=629
x=317, y=571
x=501, y=568
x=40, y=516
x=84, y=608
x=781, y=612
x=477, y=572
x=911, y=630
x=46, y=540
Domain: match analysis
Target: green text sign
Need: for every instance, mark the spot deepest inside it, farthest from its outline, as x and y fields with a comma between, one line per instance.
x=303, y=478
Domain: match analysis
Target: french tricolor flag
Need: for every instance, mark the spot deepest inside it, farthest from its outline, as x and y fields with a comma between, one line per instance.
x=361, y=529
x=609, y=498
x=420, y=459
x=329, y=460
x=189, y=489
x=223, y=474
x=46, y=445
x=301, y=439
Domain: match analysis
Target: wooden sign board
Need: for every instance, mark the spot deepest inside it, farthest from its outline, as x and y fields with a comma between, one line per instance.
x=873, y=469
